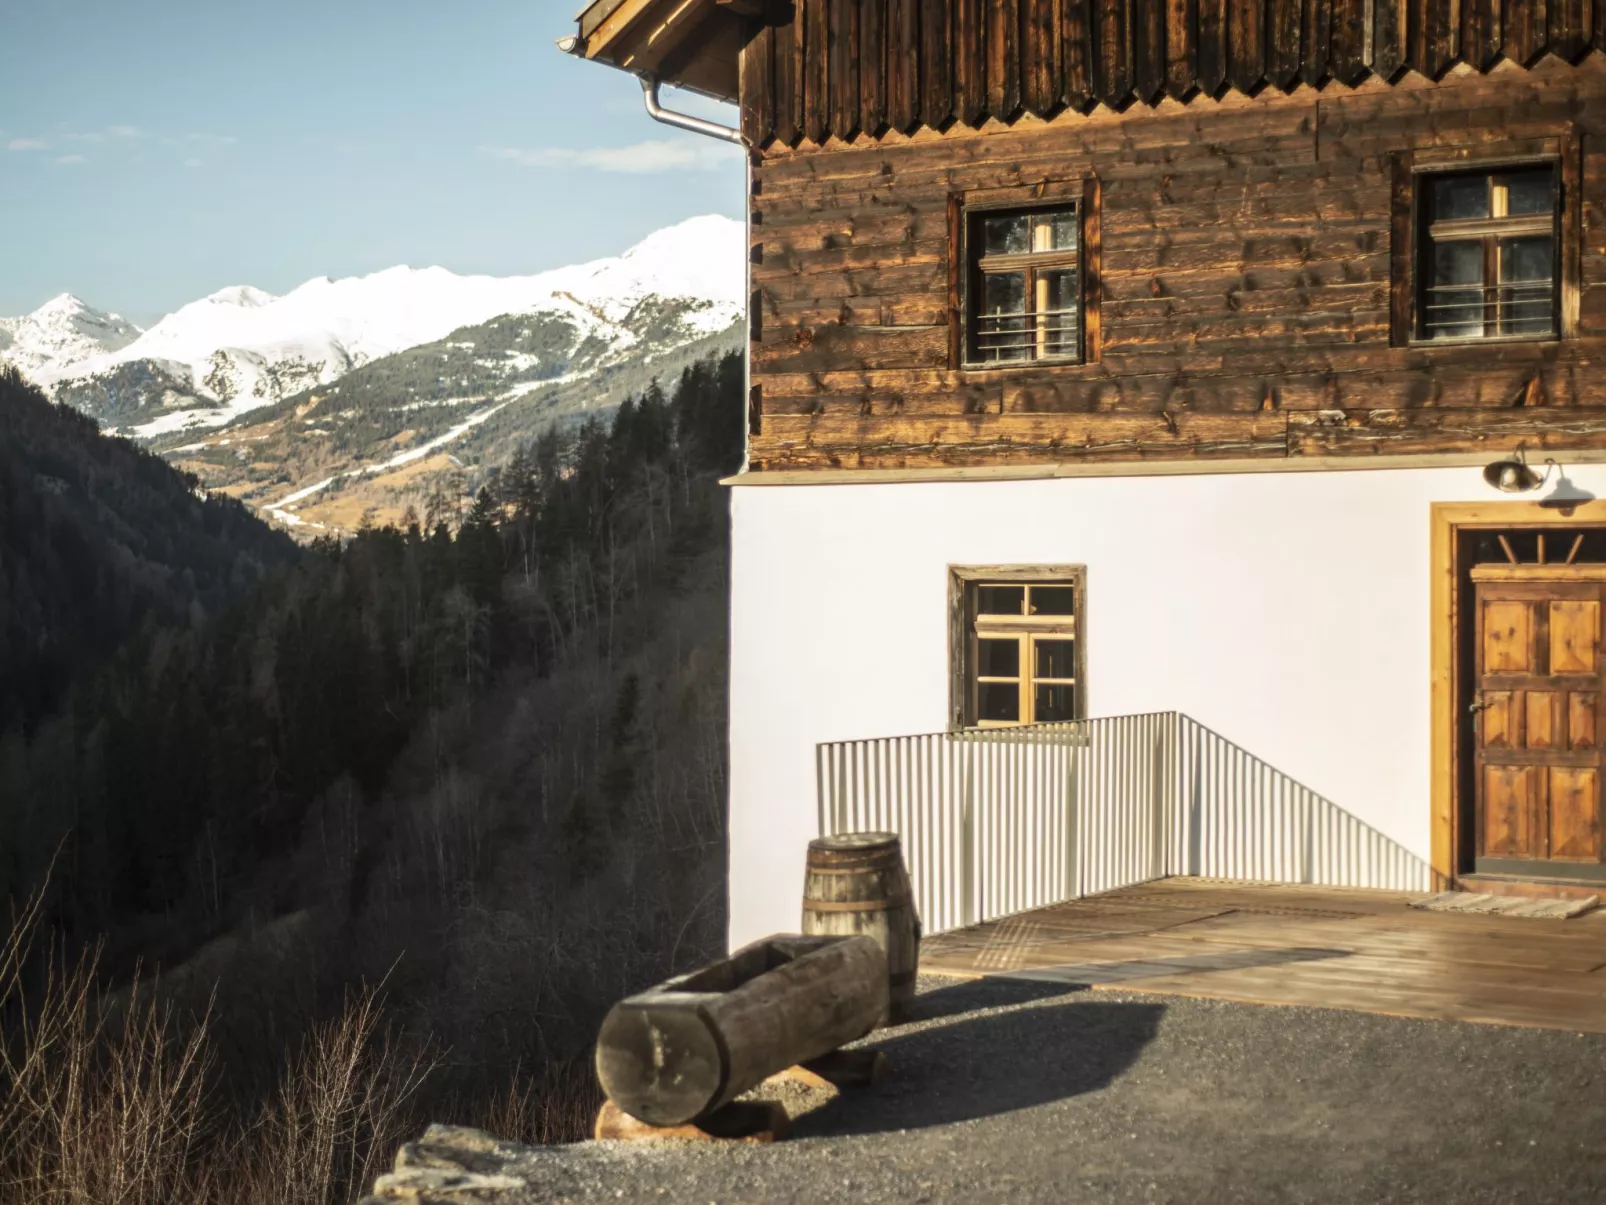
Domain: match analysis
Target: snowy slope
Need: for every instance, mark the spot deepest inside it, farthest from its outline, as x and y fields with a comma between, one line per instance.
x=60, y=334
x=242, y=348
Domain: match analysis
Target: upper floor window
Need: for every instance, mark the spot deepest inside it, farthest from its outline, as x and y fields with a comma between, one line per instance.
x=1489, y=253
x=1025, y=285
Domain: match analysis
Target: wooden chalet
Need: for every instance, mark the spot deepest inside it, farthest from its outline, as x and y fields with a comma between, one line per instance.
x=1225, y=369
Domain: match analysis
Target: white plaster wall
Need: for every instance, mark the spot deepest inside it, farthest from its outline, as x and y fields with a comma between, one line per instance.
x=1288, y=611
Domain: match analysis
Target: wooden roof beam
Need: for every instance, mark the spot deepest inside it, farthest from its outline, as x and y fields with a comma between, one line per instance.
x=693, y=44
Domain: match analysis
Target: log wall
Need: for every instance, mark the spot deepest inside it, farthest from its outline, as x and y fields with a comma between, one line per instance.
x=1248, y=267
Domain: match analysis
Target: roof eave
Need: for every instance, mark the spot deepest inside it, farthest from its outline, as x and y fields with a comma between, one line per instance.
x=691, y=44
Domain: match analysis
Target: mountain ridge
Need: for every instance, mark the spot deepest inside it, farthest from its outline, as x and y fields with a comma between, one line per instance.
x=326, y=408
x=240, y=347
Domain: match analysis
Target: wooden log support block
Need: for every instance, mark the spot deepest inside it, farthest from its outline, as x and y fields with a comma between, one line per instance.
x=739, y=1121
x=679, y=1052
x=839, y=1069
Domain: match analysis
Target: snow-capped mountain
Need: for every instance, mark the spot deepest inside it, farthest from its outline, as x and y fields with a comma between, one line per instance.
x=241, y=348
x=59, y=334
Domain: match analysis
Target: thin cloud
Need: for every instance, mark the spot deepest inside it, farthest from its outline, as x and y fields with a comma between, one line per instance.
x=119, y=133
x=654, y=155
x=27, y=144
x=192, y=163
x=71, y=159
x=213, y=139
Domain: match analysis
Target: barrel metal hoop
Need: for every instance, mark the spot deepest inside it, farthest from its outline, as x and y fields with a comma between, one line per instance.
x=842, y=870
x=856, y=905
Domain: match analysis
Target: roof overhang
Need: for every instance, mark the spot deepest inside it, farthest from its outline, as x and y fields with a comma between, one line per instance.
x=694, y=44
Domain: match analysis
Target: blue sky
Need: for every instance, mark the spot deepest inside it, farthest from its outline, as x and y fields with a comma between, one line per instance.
x=151, y=153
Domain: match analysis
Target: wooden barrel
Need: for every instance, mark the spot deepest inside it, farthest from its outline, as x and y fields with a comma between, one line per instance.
x=679, y=1052
x=856, y=883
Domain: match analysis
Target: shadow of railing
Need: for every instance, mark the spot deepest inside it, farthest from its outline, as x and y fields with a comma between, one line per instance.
x=1236, y=816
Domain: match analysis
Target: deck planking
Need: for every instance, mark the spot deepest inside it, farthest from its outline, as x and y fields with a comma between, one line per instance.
x=1321, y=947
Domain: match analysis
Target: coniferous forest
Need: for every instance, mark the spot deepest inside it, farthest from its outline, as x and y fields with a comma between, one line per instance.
x=468, y=773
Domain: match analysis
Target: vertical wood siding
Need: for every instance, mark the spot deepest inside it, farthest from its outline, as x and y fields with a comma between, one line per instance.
x=870, y=66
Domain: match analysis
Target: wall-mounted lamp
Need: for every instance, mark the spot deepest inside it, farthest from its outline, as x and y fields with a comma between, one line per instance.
x=1513, y=476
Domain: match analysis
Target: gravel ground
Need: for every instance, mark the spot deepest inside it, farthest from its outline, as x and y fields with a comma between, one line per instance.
x=1035, y=1092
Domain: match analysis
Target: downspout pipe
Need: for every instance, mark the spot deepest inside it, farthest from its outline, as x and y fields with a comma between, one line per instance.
x=684, y=121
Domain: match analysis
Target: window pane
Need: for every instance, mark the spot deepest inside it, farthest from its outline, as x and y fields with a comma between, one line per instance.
x=1052, y=704
x=1460, y=197
x=999, y=701
x=1001, y=327
x=1526, y=258
x=1000, y=600
x=1057, y=312
x=1527, y=299
x=1054, y=231
x=1528, y=192
x=1005, y=235
x=1455, y=312
x=998, y=658
x=1458, y=263
x=1055, y=659
x=1053, y=600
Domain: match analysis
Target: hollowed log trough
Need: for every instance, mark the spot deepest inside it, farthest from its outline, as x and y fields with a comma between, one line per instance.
x=677, y=1053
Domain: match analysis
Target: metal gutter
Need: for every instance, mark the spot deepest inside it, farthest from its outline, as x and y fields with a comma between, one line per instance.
x=684, y=121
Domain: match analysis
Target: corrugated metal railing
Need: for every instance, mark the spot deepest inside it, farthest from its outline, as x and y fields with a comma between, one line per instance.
x=998, y=821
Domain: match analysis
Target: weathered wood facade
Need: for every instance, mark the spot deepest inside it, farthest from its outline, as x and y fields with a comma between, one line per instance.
x=1244, y=271
x=1246, y=174
x=1247, y=258
x=838, y=68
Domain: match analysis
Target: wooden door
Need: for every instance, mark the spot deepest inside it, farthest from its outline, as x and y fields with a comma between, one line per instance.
x=1538, y=733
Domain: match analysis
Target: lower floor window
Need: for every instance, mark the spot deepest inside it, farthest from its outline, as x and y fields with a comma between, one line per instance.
x=1018, y=646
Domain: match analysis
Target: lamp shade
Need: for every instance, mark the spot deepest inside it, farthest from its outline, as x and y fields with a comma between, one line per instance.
x=1510, y=476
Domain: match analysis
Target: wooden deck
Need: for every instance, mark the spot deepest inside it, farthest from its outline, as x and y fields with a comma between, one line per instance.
x=1316, y=946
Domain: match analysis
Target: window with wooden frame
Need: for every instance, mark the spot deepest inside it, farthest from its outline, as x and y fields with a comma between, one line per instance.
x=1488, y=262
x=1024, y=284
x=1017, y=645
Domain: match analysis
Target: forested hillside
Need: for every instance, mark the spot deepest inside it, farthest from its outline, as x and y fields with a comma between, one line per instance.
x=479, y=759
x=98, y=538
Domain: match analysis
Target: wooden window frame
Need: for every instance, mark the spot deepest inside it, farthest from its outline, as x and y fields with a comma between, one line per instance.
x=1409, y=248
x=962, y=638
x=1083, y=195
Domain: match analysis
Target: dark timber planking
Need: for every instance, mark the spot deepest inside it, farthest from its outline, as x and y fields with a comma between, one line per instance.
x=904, y=64
x=1246, y=258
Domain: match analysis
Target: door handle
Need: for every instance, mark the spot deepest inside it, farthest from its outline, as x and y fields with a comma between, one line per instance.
x=1478, y=705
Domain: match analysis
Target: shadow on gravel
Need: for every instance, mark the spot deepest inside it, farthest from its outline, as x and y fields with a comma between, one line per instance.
x=977, y=1063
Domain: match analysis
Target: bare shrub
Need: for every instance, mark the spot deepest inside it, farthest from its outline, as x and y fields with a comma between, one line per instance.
x=342, y=1109
x=559, y=1106
x=104, y=1097
x=99, y=1105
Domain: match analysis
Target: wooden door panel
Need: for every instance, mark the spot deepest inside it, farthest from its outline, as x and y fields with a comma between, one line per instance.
x=1507, y=636
x=1499, y=720
x=1582, y=719
x=1574, y=813
x=1574, y=636
x=1540, y=713
x=1508, y=805
x=1539, y=736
